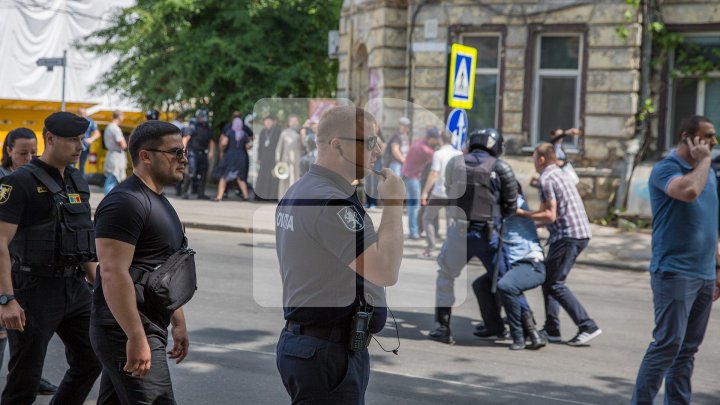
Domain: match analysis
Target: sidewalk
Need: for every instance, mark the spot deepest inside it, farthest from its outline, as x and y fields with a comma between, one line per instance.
x=609, y=247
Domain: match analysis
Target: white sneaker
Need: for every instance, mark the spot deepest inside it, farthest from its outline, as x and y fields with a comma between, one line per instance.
x=584, y=337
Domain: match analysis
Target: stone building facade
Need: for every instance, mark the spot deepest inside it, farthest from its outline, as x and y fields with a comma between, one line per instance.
x=541, y=65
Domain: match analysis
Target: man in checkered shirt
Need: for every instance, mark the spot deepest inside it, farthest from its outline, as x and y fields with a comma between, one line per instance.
x=561, y=208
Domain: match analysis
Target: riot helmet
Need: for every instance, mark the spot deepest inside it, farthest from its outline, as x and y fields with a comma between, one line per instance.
x=152, y=114
x=488, y=139
x=202, y=115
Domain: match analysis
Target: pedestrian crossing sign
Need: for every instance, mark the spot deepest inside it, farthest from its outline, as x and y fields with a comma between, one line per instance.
x=461, y=76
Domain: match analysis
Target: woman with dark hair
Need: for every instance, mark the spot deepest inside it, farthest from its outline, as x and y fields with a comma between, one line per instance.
x=19, y=148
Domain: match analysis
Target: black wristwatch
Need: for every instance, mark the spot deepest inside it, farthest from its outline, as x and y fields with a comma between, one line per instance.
x=5, y=298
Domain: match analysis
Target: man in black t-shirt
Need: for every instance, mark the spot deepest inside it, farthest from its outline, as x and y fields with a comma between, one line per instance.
x=334, y=264
x=137, y=227
x=44, y=260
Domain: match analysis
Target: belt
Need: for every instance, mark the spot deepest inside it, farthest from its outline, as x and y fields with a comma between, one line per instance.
x=51, y=271
x=331, y=334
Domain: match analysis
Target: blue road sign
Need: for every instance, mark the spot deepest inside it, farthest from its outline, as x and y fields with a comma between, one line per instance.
x=457, y=124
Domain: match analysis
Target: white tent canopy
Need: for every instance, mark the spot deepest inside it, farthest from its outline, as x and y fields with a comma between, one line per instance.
x=34, y=29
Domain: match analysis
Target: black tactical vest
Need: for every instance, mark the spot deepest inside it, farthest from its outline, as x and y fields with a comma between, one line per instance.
x=479, y=200
x=200, y=137
x=67, y=236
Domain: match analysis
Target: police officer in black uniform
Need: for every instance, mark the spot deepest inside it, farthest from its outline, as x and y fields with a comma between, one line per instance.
x=334, y=264
x=484, y=189
x=200, y=145
x=47, y=250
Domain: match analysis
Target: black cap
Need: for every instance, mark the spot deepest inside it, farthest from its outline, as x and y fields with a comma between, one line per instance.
x=66, y=125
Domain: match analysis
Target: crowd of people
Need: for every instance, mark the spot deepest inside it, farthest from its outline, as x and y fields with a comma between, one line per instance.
x=334, y=262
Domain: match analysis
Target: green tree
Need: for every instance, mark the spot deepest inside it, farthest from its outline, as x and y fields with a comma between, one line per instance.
x=226, y=55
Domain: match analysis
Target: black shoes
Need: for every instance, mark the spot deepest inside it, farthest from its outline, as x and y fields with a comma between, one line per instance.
x=518, y=344
x=485, y=334
x=442, y=334
x=46, y=387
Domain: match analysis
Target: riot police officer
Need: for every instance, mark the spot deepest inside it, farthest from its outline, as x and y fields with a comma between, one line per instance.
x=47, y=250
x=200, y=145
x=484, y=189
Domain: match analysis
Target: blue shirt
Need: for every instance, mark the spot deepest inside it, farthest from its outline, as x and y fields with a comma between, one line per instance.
x=91, y=128
x=520, y=235
x=684, y=236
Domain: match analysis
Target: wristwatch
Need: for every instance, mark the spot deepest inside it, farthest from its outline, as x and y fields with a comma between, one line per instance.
x=5, y=298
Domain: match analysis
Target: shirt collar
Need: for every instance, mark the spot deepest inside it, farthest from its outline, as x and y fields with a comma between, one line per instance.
x=550, y=168
x=50, y=169
x=674, y=155
x=339, y=181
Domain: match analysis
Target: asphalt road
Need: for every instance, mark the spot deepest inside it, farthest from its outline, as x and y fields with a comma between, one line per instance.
x=233, y=339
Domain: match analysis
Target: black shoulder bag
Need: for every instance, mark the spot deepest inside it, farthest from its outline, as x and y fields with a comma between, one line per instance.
x=171, y=284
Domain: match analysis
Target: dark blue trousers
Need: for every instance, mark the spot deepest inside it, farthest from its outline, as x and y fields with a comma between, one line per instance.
x=682, y=309
x=560, y=260
x=316, y=371
x=522, y=276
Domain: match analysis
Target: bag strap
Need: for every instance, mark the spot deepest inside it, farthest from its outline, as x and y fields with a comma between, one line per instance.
x=43, y=177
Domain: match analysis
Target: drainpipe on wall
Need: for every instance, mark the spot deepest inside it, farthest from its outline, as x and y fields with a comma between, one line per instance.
x=410, y=112
x=631, y=153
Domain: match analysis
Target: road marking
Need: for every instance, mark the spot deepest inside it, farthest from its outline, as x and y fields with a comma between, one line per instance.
x=440, y=380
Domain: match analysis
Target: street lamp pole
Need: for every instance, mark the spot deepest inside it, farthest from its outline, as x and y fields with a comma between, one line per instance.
x=64, y=67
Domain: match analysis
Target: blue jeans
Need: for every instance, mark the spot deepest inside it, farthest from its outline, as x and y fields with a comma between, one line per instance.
x=682, y=309
x=110, y=183
x=412, y=187
x=522, y=276
x=321, y=372
x=396, y=167
x=83, y=158
x=560, y=260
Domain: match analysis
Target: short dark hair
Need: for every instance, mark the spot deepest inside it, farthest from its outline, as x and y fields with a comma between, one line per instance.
x=691, y=124
x=12, y=136
x=150, y=135
x=343, y=121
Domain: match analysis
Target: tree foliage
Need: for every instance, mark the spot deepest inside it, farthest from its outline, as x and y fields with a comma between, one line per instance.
x=226, y=55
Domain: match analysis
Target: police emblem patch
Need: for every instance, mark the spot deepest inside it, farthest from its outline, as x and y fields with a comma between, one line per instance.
x=5, y=193
x=351, y=218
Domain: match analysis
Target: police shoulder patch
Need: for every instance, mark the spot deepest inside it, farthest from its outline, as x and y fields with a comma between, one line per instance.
x=351, y=218
x=5, y=193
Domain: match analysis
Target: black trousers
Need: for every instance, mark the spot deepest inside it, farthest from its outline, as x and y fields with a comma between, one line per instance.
x=197, y=171
x=119, y=387
x=52, y=305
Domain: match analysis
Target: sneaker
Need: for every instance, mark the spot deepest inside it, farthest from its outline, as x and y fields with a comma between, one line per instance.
x=518, y=344
x=427, y=254
x=46, y=387
x=414, y=237
x=488, y=335
x=584, y=337
x=551, y=337
x=442, y=334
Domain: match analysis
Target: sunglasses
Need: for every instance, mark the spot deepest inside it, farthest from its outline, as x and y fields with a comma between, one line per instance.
x=370, y=142
x=177, y=153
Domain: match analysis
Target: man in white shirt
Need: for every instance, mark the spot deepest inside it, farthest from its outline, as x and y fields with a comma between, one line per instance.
x=438, y=196
x=115, y=167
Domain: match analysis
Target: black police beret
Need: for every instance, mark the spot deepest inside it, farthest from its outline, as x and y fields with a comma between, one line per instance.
x=66, y=125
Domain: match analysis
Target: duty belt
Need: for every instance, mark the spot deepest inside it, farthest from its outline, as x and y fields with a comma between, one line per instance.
x=51, y=271
x=331, y=334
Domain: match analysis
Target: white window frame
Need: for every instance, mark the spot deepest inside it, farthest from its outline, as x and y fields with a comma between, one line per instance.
x=670, y=140
x=489, y=71
x=569, y=145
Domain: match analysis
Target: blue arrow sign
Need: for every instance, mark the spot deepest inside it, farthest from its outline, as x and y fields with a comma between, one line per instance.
x=457, y=124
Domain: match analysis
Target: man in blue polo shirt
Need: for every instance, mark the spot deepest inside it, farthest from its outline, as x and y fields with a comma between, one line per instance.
x=684, y=262
x=334, y=264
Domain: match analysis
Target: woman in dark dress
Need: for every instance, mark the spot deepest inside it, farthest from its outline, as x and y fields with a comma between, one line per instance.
x=234, y=161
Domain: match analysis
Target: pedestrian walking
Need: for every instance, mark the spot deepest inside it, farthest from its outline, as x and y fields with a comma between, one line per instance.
x=234, y=161
x=684, y=269
x=562, y=210
x=115, y=167
x=418, y=158
x=484, y=189
x=43, y=287
x=140, y=243
x=334, y=264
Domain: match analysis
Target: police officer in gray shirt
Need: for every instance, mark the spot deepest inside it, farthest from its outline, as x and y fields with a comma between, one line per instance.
x=334, y=264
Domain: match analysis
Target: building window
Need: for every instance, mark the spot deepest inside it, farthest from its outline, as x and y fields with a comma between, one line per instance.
x=556, y=85
x=484, y=113
x=692, y=95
